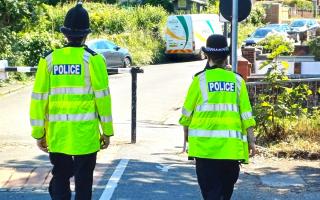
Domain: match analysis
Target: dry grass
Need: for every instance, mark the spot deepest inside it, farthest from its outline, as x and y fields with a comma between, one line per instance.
x=302, y=138
x=297, y=148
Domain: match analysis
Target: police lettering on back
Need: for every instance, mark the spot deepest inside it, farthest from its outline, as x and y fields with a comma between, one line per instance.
x=221, y=86
x=67, y=69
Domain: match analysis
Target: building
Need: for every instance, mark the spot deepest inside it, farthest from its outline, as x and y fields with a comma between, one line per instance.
x=189, y=5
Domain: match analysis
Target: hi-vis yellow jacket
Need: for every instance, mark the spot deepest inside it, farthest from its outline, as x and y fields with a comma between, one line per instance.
x=217, y=111
x=69, y=99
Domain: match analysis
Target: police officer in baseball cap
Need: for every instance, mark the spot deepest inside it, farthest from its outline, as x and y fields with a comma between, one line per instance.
x=218, y=123
x=217, y=50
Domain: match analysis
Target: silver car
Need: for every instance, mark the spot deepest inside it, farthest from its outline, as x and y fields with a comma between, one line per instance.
x=115, y=55
x=258, y=35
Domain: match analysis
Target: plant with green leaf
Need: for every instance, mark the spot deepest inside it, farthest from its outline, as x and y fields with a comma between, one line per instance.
x=278, y=102
x=277, y=45
x=314, y=46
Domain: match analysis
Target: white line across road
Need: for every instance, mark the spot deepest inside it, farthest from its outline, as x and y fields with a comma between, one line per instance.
x=113, y=181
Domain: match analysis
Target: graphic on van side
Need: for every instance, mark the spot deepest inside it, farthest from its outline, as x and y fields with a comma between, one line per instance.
x=200, y=35
x=185, y=27
x=171, y=34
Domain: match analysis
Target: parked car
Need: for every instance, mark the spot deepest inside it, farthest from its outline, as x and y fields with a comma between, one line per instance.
x=258, y=35
x=115, y=55
x=301, y=25
x=301, y=29
x=282, y=28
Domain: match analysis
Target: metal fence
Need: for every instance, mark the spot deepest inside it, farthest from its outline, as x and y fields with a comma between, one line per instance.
x=256, y=88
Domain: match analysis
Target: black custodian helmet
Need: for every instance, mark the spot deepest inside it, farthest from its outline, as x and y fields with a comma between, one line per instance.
x=76, y=22
x=217, y=46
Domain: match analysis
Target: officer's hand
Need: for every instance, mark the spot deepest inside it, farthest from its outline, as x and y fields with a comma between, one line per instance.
x=252, y=149
x=42, y=144
x=104, y=141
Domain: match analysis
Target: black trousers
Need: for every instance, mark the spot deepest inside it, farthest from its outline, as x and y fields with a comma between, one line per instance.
x=66, y=166
x=216, y=178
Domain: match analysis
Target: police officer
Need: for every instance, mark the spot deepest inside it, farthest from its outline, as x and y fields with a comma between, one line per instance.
x=218, y=123
x=70, y=99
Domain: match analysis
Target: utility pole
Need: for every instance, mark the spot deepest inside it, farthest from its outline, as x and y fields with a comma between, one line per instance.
x=234, y=42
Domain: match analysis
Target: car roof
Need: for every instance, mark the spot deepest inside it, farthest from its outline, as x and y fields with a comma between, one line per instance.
x=265, y=28
x=300, y=20
x=98, y=40
x=276, y=25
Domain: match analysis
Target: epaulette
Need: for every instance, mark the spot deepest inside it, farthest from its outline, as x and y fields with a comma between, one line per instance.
x=238, y=74
x=90, y=51
x=198, y=73
x=47, y=53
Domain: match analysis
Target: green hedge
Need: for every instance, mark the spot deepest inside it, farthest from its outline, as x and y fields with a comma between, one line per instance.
x=137, y=28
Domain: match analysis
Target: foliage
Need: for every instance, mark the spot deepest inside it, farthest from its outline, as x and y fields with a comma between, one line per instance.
x=277, y=44
x=33, y=45
x=257, y=16
x=213, y=7
x=300, y=4
x=245, y=29
x=144, y=48
x=314, y=46
x=138, y=28
x=166, y=4
x=7, y=40
x=18, y=15
x=279, y=103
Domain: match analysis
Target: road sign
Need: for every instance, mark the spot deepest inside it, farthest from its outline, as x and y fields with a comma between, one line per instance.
x=244, y=9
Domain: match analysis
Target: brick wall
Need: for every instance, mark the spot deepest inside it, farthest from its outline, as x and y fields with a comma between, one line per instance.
x=249, y=53
x=273, y=13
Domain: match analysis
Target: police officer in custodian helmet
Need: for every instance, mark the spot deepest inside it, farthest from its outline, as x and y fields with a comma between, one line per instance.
x=70, y=99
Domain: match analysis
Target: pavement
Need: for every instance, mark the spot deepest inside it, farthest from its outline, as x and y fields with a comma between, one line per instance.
x=11, y=88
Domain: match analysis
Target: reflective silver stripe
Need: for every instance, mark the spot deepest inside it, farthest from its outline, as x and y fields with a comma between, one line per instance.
x=36, y=122
x=49, y=62
x=217, y=134
x=102, y=93
x=203, y=87
x=72, y=117
x=74, y=90
x=217, y=107
x=106, y=119
x=246, y=115
x=239, y=81
x=86, y=57
x=39, y=96
x=186, y=113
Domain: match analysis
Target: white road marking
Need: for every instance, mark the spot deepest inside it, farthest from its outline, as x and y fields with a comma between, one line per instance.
x=113, y=181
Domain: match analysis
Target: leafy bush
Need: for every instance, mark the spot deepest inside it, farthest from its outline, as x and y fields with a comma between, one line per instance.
x=279, y=104
x=300, y=4
x=245, y=29
x=18, y=15
x=314, y=46
x=257, y=16
x=7, y=40
x=277, y=45
x=213, y=7
x=35, y=44
x=137, y=28
x=166, y=4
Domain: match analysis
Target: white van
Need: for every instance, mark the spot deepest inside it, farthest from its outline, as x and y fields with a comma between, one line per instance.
x=186, y=34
